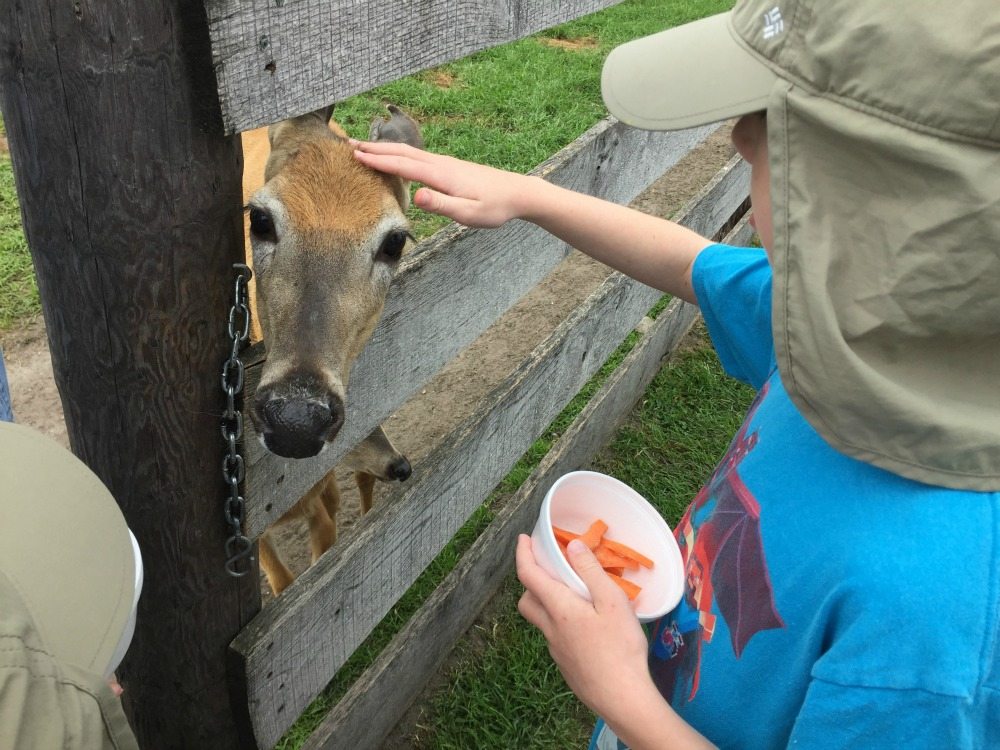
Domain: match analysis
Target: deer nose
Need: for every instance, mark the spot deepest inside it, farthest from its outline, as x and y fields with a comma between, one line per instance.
x=298, y=427
x=400, y=469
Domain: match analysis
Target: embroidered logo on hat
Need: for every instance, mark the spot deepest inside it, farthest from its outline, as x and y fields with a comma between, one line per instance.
x=773, y=24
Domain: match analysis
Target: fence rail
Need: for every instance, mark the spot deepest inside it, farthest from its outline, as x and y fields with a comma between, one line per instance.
x=275, y=58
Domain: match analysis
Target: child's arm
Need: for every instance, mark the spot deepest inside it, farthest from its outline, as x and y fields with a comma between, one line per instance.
x=600, y=649
x=654, y=251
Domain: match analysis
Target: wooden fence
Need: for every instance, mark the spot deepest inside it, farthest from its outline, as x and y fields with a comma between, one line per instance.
x=273, y=59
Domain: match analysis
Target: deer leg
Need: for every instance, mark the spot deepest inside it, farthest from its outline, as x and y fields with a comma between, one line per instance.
x=279, y=577
x=322, y=530
x=366, y=485
x=330, y=495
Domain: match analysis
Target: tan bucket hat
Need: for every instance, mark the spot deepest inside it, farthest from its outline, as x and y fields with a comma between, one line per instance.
x=884, y=143
x=69, y=581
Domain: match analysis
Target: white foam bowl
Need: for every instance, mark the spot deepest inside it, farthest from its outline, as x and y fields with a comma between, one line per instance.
x=579, y=498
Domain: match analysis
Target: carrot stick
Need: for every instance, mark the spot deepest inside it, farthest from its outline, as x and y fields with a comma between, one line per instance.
x=614, y=557
x=609, y=559
x=625, y=551
x=592, y=536
x=563, y=536
x=630, y=589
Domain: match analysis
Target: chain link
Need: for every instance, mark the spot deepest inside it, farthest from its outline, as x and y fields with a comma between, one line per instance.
x=239, y=548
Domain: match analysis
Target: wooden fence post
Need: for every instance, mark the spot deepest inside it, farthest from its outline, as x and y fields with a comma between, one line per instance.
x=130, y=200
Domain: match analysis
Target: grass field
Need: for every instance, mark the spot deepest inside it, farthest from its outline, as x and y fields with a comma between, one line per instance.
x=511, y=107
x=18, y=294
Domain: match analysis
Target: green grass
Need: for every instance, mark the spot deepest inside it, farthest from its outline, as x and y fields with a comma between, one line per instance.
x=504, y=692
x=18, y=293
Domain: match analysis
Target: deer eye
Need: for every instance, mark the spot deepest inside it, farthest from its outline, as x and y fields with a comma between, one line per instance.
x=393, y=244
x=261, y=225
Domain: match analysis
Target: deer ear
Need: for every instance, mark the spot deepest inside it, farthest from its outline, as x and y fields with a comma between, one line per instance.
x=399, y=128
x=288, y=135
x=324, y=113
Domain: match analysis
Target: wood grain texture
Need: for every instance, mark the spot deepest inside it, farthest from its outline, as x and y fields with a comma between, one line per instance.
x=382, y=695
x=130, y=198
x=332, y=607
x=279, y=58
x=455, y=285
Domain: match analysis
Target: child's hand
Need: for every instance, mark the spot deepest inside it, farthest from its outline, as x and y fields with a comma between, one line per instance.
x=469, y=193
x=599, y=646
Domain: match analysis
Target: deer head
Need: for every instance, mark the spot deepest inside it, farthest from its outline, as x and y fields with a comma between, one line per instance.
x=327, y=235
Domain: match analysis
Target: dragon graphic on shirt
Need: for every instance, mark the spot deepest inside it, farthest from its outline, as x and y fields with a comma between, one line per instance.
x=719, y=537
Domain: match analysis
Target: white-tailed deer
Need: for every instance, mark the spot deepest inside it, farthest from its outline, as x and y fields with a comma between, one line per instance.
x=324, y=236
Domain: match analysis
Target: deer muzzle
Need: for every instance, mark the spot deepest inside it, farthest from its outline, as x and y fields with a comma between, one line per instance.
x=297, y=424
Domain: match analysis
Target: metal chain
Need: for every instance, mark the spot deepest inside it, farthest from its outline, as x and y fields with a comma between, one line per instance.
x=239, y=548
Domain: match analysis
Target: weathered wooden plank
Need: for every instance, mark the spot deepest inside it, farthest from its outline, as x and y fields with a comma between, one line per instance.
x=275, y=59
x=742, y=233
x=333, y=606
x=451, y=290
x=377, y=701
x=130, y=197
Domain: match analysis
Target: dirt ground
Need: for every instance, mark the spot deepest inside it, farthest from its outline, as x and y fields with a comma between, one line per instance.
x=450, y=397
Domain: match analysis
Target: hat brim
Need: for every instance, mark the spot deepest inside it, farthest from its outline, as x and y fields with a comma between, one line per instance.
x=686, y=76
x=64, y=544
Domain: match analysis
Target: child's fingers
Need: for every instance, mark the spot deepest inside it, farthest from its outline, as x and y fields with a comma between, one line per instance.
x=392, y=148
x=406, y=167
x=603, y=591
x=534, y=578
x=532, y=610
x=435, y=202
x=116, y=688
x=401, y=151
x=463, y=210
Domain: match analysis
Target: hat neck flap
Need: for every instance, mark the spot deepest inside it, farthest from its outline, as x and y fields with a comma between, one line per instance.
x=887, y=288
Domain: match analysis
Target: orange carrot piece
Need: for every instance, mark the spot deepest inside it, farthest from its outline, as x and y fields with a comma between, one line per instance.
x=610, y=559
x=592, y=536
x=563, y=536
x=625, y=551
x=630, y=589
x=615, y=571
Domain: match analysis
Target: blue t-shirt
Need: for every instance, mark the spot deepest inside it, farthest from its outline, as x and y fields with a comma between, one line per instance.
x=829, y=603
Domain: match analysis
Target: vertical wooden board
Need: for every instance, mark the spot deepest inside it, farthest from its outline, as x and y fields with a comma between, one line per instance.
x=276, y=58
x=130, y=198
x=451, y=290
